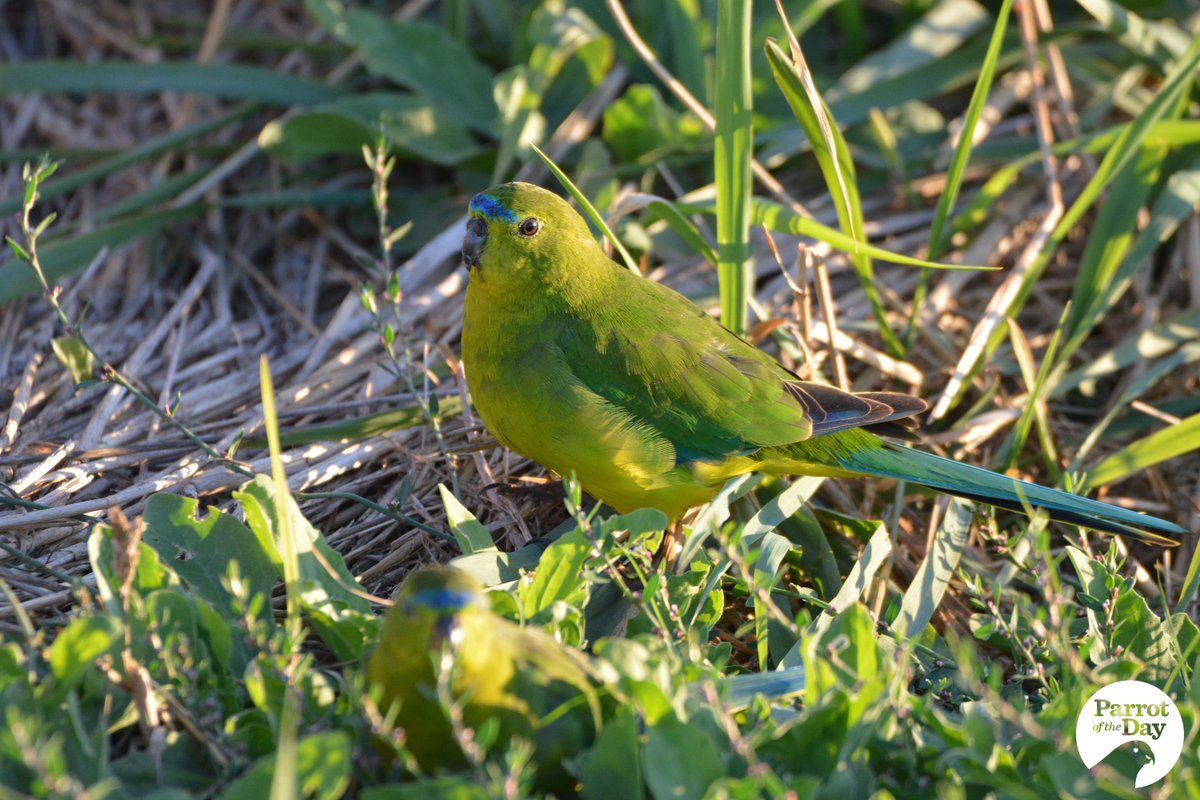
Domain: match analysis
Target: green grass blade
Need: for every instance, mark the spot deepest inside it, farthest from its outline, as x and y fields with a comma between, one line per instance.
x=1169, y=442
x=873, y=556
x=833, y=157
x=962, y=154
x=1158, y=42
x=1102, y=282
x=733, y=148
x=667, y=211
x=1036, y=383
x=228, y=81
x=65, y=256
x=62, y=184
x=1141, y=346
x=588, y=209
x=1124, y=149
x=929, y=585
x=783, y=220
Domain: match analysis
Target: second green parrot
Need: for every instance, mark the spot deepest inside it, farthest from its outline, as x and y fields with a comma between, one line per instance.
x=586, y=368
x=441, y=645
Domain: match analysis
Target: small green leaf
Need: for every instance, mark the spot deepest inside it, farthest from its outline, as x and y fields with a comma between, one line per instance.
x=471, y=535
x=17, y=249
x=75, y=356
x=41, y=227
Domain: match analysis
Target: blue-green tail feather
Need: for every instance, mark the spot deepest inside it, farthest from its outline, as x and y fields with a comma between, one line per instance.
x=862, y=452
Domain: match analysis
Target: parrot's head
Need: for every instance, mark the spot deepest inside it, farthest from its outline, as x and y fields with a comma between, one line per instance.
x=522, y=235
x=432, y=603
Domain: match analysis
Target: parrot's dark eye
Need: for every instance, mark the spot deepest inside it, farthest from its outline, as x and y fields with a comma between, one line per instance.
x=529, y=227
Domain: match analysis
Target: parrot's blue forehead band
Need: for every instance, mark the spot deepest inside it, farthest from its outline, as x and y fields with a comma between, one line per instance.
x=442, y=600
x=491, y=208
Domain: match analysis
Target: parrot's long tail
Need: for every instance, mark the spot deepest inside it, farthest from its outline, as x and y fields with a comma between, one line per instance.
x=863, y=453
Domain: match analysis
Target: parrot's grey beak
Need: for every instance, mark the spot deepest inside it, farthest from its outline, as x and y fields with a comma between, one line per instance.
x=474, y=241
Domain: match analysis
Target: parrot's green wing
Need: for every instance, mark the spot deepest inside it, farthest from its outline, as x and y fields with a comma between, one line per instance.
x=704, y=389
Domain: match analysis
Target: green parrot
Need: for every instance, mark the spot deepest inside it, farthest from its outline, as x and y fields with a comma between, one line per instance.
x=441, y=641
x=585, y=367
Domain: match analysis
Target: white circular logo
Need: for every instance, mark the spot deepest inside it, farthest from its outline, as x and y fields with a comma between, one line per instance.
x=1133, y=727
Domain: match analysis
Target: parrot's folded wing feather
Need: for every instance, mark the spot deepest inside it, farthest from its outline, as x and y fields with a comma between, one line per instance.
x=706, y=390
x=833, y=410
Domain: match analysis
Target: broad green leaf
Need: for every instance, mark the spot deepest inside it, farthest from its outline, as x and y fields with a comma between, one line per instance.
x=557, y=575
x=679, y=760
x=494, y=567
x=446, y=788
x=151, y=573
x=855, y=661
x=610, y=769
x=413, y=123
x=80, y=643
x=424, y=58
x=641, y=127
x=199, y=550
x=472, y=537
x=1137, y=632
x=323, y=766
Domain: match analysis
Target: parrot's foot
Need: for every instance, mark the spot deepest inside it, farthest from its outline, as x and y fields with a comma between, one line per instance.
x=668, y=551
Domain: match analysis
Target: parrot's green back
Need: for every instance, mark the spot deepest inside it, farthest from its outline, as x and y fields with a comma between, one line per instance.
x=589, y=369
x=442, y=629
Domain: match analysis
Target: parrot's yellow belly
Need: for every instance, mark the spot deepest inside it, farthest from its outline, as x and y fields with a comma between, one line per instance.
x=533, y=403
